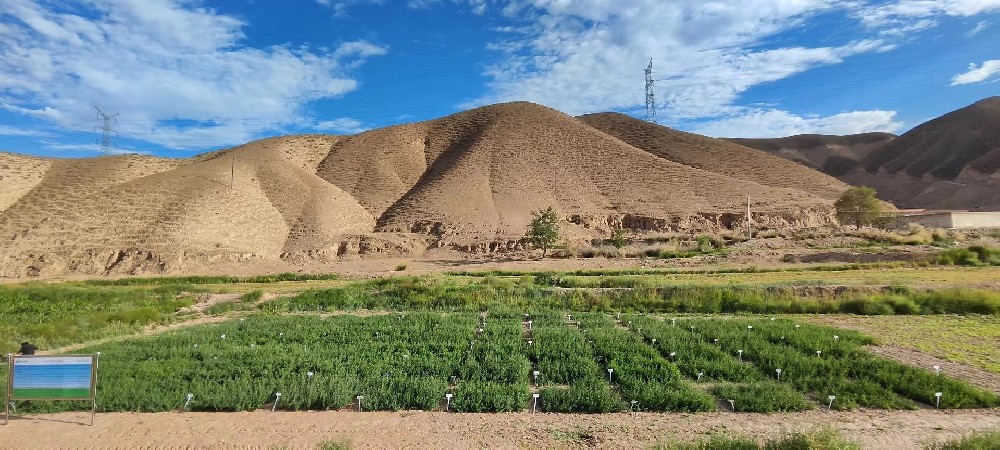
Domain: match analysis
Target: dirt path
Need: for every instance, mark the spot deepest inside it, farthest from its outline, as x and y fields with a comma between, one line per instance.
x=986, y=380
x=872, y=429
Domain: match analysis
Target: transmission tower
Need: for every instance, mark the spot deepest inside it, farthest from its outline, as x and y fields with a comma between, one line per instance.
x=650, y=101
x=107, y=146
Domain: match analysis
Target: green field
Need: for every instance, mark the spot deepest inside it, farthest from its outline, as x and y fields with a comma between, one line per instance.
x=411, y=360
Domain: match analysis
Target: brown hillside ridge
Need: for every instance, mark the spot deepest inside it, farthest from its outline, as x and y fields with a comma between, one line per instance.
x=468, y=182
x=715, y=155
x=952, y=162
x=833, y=155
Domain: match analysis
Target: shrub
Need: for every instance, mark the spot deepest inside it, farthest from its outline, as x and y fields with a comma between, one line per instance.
x=400, y=267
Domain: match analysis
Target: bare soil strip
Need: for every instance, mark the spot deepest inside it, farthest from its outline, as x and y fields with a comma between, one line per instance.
x=261, y=429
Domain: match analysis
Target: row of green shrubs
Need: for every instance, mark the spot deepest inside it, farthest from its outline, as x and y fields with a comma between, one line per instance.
x=439, y=294
x=218, y=279
x=975, y=255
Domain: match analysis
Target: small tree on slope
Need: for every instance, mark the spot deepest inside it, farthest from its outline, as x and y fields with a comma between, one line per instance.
x=543, y=231
x=859, y=206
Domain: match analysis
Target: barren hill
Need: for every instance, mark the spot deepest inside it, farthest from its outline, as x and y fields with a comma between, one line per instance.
x=833, y=155
x=952, y=162
x=716, y=155
x=468, y=181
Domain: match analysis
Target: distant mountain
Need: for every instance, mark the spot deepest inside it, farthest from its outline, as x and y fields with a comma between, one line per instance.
x=951, y=162
x=833, y=155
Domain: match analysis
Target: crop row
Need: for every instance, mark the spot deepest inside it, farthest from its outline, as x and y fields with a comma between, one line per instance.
x=586, y=362
x=817, y=361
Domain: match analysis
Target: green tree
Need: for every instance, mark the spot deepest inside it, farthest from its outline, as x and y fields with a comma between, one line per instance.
x=543, y=231
x=859, y=206
x=618, y=238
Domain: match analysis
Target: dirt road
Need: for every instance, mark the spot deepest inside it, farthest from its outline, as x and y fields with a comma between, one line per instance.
x=260, y=429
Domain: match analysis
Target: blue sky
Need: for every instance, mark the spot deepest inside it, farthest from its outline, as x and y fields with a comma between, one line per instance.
x=188, y=76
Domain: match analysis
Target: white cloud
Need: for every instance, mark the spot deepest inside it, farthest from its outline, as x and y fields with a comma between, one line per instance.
x=978, y=74
x=587, y=55
x=15, y=131
x=982, y=25
x=157, y=60
x=896, y=17
x=767, y=123
x=93, y=148
x=342, y=125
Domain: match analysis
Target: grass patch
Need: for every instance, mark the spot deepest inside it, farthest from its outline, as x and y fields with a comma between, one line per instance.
x=763, y=396
x=51, y=315
x=979, y=440
x=822, y=439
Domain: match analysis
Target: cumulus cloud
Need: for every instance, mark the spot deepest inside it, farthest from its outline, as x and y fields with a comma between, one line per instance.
x=158, y=60
x=767, y=123
x=977, y=74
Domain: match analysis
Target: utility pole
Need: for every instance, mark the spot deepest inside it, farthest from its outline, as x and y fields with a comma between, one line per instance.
x=749, y=223
x=650, y=101
x=107, y=146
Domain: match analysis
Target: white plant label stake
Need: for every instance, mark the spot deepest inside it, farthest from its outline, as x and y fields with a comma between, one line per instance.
x=740, y=352
x=699, y=375
x=529, y=324
x=654, y=341
x=534, y=402
x=447, y=404
x=277, y=397
x=732, y=404
x=831, y=398
x=779, y=373
x=187, y=402
x=631, y=407
x=535, y=373
x=673, y=356
x=360, y=397
x=937, y=397
x=673, y=321
x=610, y=371
x=309, y=376
x=818, y=353
x=937, y=370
